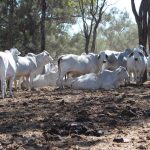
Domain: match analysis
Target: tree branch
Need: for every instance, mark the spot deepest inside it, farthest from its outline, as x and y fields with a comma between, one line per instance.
x=134, y=11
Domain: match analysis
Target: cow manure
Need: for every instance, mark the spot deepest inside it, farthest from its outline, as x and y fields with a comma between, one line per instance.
x=120, y=140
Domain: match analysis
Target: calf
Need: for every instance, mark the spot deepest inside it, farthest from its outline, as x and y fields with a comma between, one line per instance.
x=48, y=79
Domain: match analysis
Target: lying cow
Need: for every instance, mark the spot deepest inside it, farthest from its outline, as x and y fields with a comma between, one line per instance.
x=42, y=80
x=79, y=65
x=104, y=80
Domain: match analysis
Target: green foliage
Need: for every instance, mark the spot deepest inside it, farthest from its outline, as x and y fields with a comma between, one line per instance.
x=64, y=43
x=26, y=22
x=117, y=31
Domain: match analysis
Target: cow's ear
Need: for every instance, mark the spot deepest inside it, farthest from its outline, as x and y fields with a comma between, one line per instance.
x=141, y=54
x=141, y=47
x=99, y=56
x=131, y=54
x=18, y=52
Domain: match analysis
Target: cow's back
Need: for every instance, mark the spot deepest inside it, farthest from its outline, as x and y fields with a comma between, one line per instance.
x=25, y=65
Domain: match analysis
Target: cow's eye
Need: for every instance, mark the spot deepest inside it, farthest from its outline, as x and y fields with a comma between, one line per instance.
x=99, y=56
x=131, y=54
x=141, y=54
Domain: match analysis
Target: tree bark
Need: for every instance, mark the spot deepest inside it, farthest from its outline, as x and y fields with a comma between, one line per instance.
x=98, y=12
x=94, y=40
x=11, y=24
x=148, y=25
x=43, y=40
x=143, y=23
x=87, y=42
x=141, y=20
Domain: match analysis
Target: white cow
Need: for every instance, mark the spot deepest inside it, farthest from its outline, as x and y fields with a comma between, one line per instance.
x=104, y=80
x=48, y=79
x=49, y=67
x=25, y=65
x=148, y=67
x=136, y=65
x=8, y=61
x=117, y=59
x=79, y=64
x=32, y=65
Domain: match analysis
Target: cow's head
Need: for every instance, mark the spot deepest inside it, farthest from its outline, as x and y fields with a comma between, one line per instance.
x=136, y=55
x=47, y=58
x=15, y=53
x=112, y=62
x=103, y=57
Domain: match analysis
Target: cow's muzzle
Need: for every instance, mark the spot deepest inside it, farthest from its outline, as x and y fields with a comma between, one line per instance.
x=136, y=59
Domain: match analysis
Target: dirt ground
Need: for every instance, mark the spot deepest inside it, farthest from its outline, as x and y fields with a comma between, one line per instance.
x=51, y=119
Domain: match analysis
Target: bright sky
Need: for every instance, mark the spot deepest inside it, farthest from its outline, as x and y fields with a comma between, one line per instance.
x=120, y=4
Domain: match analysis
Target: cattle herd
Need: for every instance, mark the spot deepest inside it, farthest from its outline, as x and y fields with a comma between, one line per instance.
x=106, y=70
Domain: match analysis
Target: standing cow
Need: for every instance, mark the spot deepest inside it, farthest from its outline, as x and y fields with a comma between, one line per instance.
x=8, y=68
x=136, y=65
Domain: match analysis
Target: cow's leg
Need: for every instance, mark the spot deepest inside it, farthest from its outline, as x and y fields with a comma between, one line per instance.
x=10, y=85
x=138, y=78
x=19, y=83
x=60, y=80
x=3, y=87
x=15, y=84
x=130, y=77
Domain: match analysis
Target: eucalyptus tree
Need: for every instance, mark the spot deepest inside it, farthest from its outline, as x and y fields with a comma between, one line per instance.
x=43, y=15
x=91, y=11
x=7, y=23
x=117, y=31
x=143, y=21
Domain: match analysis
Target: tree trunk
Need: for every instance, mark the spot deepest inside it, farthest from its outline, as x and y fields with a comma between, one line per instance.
x=141, y=21
x=143, y=26
x=148, y=26
x=87, y=42
x=43, y=41
x=11, y=24
x=93, y=47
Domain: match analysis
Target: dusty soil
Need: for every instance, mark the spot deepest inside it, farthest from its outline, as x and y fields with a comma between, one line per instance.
x=51, y=119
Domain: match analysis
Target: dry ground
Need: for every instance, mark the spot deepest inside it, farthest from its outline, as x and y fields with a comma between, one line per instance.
x=51, y=119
